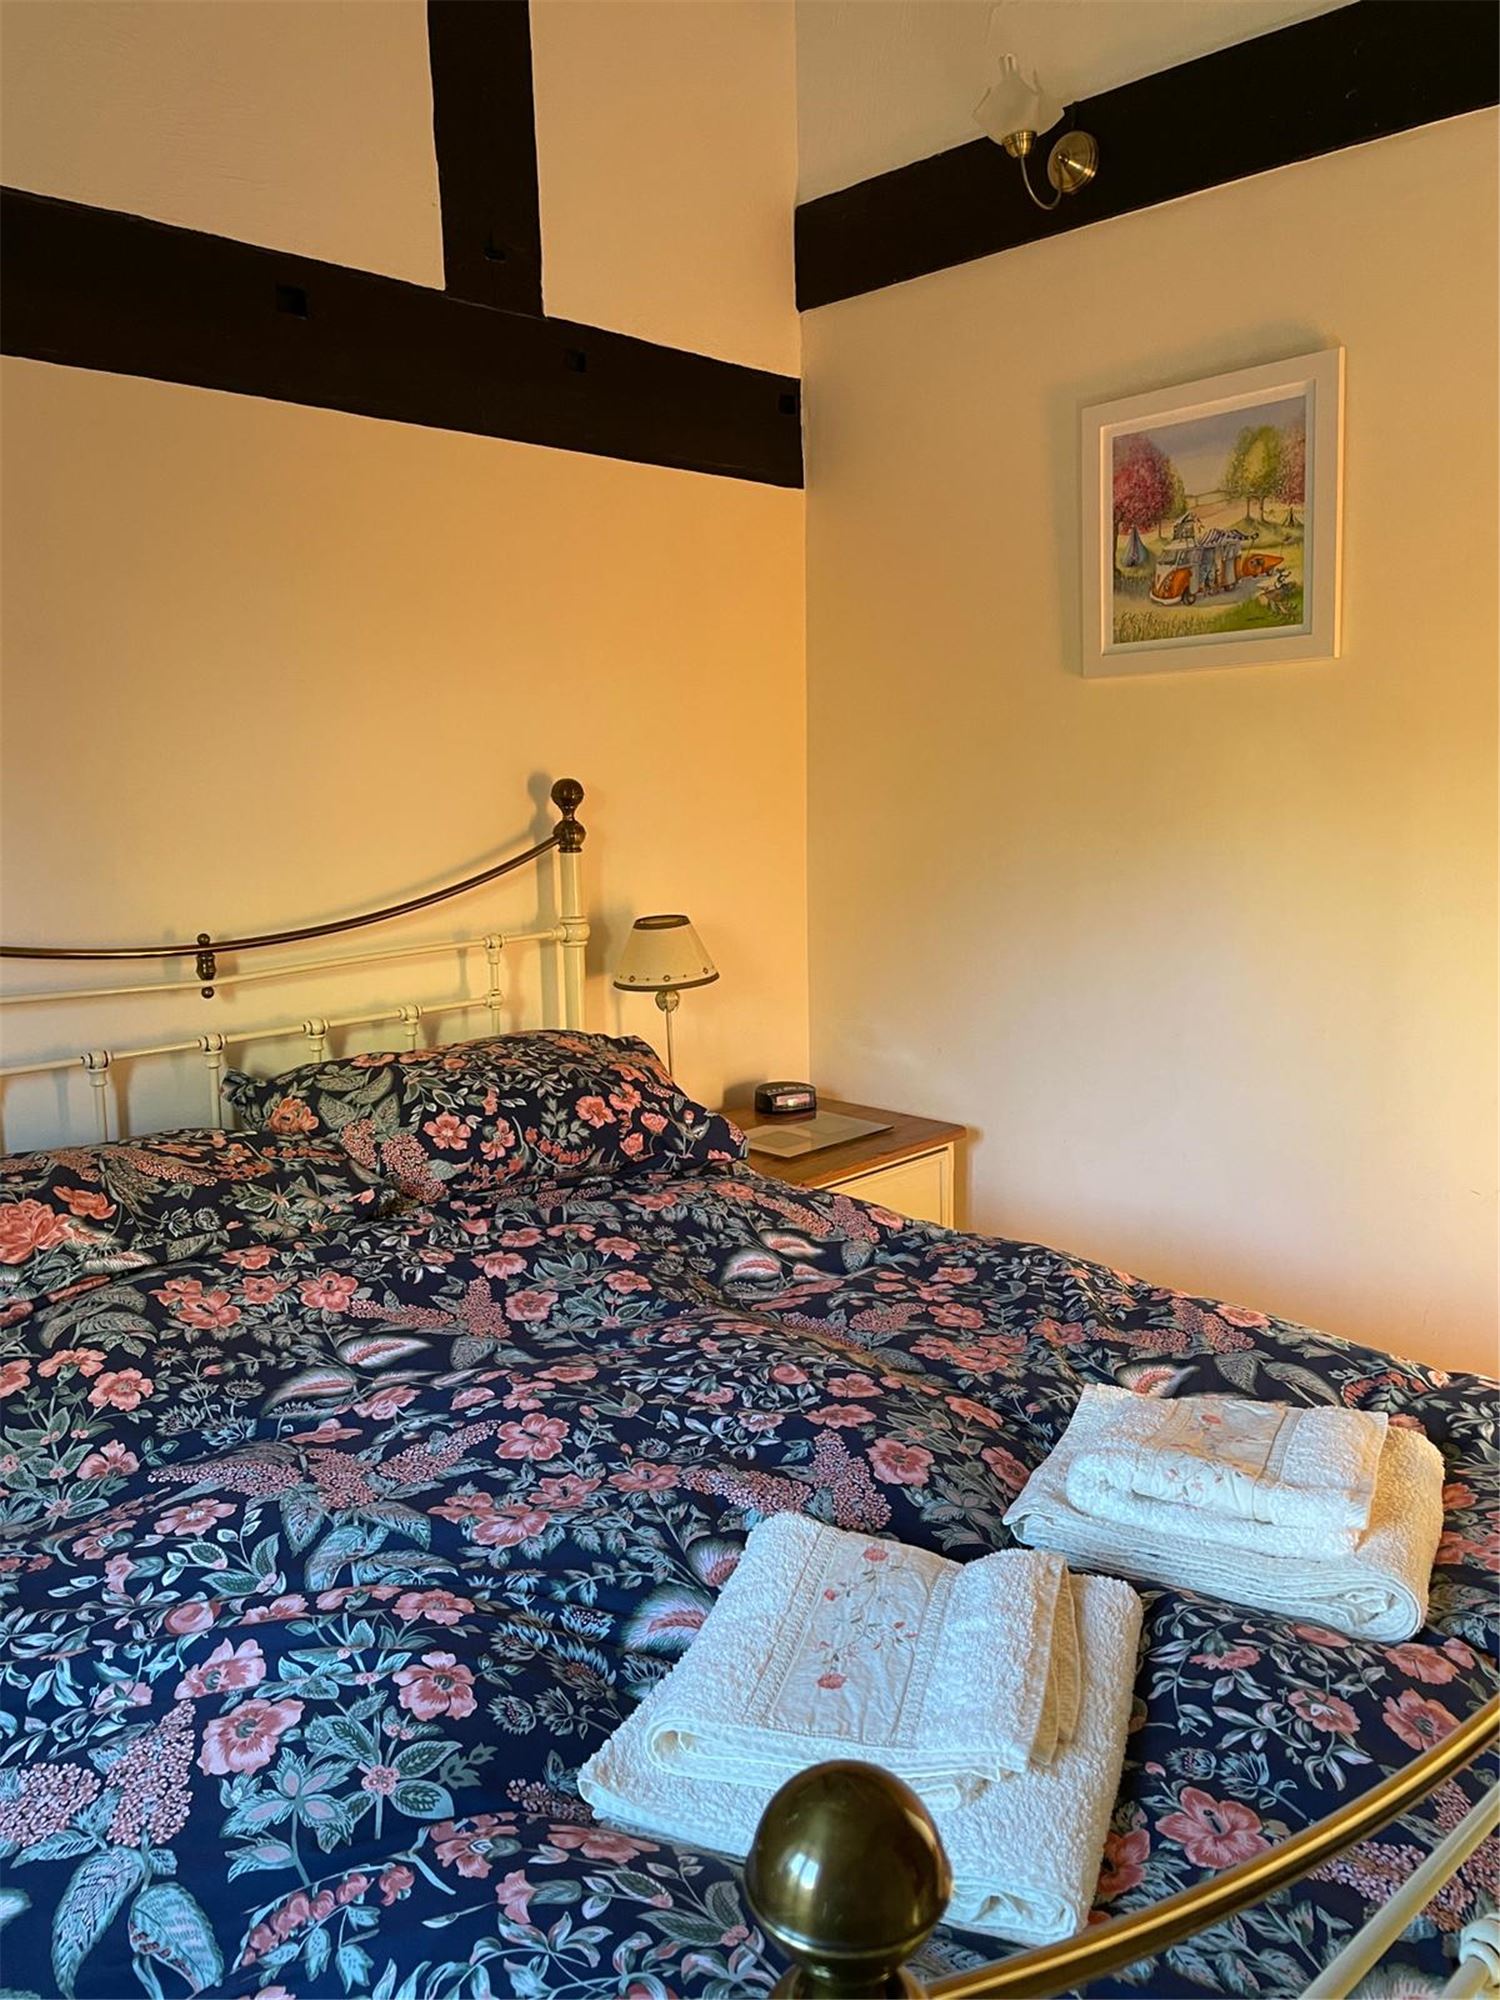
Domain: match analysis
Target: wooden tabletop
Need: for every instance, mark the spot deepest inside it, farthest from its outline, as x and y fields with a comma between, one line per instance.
x=905, y=1137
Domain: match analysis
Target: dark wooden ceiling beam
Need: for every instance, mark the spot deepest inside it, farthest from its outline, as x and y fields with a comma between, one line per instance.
x=484, y=130
x=92, y=288
x=1340, y=79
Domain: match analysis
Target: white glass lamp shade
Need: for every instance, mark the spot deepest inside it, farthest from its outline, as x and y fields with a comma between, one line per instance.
x=1015, y=103
x=663, y=955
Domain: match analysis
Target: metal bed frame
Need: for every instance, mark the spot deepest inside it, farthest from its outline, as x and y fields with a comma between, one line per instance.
x=799, y=1873
x=568, y=936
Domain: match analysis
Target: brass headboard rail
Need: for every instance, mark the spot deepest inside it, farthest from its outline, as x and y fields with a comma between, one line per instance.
x=567, y=837
x=793, y=1890
x=566, y=934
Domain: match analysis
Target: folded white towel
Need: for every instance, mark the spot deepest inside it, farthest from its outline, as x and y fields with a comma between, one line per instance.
x=1025, y=1850
x=1377, y=1590
x=824, y=1644
x=1290, y=1481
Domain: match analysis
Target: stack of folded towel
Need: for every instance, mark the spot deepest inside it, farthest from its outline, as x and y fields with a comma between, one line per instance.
x=1328, y=1515
x=999, y=1690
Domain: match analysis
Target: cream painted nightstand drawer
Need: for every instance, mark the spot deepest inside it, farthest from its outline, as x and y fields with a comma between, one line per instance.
x=921, y=1188
x=906, y=1164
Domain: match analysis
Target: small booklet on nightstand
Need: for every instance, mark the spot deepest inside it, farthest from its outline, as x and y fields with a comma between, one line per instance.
x=790, y=1138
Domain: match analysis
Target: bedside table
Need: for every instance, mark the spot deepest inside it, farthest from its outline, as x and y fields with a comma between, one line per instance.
x=912, y=1168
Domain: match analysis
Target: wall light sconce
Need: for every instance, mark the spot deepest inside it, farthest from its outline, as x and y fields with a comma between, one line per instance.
x=1014, y=110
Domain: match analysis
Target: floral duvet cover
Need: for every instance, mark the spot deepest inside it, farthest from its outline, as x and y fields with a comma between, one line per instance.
x=328, y=1563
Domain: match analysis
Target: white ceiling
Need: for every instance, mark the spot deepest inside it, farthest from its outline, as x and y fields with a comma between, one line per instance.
x=881, y=82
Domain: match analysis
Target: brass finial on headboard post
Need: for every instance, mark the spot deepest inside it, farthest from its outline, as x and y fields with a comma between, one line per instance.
x=848, y=1875
x=567, y=796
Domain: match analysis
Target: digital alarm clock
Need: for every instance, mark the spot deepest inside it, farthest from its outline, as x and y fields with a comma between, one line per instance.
x=785, y=1100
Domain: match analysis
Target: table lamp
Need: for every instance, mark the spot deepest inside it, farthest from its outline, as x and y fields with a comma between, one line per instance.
x=664, y=955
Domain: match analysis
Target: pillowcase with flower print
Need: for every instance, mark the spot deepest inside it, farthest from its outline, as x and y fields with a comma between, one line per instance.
x=507, y=1111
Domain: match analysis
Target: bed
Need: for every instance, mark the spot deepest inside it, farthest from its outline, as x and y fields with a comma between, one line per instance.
x=329, y=1554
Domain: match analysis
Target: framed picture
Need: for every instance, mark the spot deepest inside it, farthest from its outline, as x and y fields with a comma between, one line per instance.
x=1211, y=521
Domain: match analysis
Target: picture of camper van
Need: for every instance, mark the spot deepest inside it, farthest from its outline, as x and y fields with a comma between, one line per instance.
x=1209, y=522
x=1198, y=563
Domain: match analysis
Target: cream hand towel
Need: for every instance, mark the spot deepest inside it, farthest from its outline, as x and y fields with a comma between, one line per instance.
x=1377, y=1590
x=1025, y=1850
x=1290, y=1481
x=825, y=1644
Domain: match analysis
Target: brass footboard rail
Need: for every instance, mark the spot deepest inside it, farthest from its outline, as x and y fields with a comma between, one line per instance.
x=848, y=1875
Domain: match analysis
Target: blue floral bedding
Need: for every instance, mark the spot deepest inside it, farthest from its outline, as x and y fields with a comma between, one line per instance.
x=328, y=1562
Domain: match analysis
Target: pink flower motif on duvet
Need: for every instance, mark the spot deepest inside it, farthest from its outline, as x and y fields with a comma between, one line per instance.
x=197, y=1615
x=193, y=1517
x=451, y=1133
x=246, y=1738
x=1214, y=1833
x=646, y=1477
x=330, y=1292
x=1006, y=1467
x=599, y=1843
x=14, y=1375
x=28, y=1226
x=535, y=1436
x=1324, y=1711
x=227, y=1669
x=900, y=1464
x=534, y=1306
x=84, y=1202
x=1421, y=1663
x=87, y=1360
x=974, y=1413
x=293, y=1115
x=438, y=1607
x=466, y=1846
x=858, y=1385
x=386, y=1401
x=1124, y=1863
x=594, y=1111
x=113, y=1457
x=439, y=1686
x=1226, y=1658
x=1418, y=1721
x=121, y=1389
x=509, y=1525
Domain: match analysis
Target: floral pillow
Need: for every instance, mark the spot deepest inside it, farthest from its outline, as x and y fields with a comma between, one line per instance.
x=79, y=1213
x=510, y=1110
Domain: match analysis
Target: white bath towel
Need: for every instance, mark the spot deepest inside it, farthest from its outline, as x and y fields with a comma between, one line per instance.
x=1291, y=1481
x=1025, y=1850
x=825, y=1644
x=1377, y=1590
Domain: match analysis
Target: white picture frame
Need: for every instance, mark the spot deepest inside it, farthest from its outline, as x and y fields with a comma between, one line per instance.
x=1175, y=575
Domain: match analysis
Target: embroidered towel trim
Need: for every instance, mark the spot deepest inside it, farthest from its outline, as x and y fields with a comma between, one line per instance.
x=827, y=1644
x=1025, y=1851
x=1376, y=1591
x=1251, y=1465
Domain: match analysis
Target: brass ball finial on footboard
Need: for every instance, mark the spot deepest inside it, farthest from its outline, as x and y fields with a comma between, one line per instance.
x=848, y=1875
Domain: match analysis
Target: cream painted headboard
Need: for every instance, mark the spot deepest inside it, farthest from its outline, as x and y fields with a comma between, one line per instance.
x=567, y=937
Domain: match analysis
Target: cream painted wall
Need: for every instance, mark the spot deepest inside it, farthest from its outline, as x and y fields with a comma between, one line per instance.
x=305, y=125
x=1207, y=961
x=881, y=82
x=667, y=162
x=265, y=664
